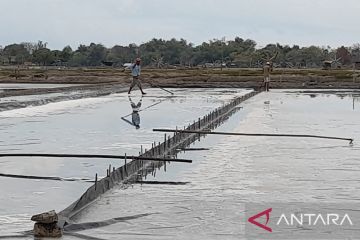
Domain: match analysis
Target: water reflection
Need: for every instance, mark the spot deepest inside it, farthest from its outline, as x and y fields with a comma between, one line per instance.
x=135, y=116
x=238, y=170
x=91, y=125
x=342, y=94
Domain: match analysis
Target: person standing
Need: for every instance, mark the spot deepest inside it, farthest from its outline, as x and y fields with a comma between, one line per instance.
x=267, y=69
x=135, y=73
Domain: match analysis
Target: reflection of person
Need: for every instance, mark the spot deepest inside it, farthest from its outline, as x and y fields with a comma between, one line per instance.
x=135, y=73
x=267, y=69
x=135, y=116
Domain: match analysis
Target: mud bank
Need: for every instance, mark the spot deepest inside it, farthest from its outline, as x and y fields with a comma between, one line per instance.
x=21, y=98
x=241, y=78
x=277, y=82
x=9, y=100
x=103, y=81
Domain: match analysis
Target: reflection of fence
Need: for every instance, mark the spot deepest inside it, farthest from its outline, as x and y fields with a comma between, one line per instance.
x=134, y=171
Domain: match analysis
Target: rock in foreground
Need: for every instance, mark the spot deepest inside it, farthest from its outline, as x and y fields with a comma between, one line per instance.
x=46, y=225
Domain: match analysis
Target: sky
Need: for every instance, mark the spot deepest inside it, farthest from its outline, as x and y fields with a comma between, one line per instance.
x=121, y=22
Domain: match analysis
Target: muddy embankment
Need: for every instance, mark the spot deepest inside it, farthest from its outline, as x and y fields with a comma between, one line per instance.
x=103, y=81
x=20, y=98
x=281, y=78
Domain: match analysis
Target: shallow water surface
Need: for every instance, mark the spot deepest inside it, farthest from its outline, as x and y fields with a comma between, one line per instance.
x=90, y=126
x=240, y=170
x=33, y=85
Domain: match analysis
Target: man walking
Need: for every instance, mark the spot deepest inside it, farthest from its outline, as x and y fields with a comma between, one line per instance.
x=135, y=73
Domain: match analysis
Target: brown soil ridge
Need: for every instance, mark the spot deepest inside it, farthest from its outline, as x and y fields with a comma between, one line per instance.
x=242, y=78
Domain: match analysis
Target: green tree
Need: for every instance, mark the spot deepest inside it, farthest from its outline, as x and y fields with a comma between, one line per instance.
x=120, y=55
x=30, y=46
x=311, y=56
x=66, y=54
x=344, y=54
x=78, y=59
x=43, y=56
x=16, y=54
x=96, y=54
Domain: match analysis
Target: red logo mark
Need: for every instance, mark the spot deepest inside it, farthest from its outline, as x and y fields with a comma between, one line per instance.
x=267, y=213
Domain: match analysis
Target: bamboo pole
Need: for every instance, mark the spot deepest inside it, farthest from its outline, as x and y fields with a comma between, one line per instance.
x=256, y=134
x=94, y=156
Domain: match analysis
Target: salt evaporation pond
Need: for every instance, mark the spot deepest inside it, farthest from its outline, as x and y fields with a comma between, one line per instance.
x=17, y=86
x=233, y=172
x=91, y=126
x=240, y=170
x=13, y=101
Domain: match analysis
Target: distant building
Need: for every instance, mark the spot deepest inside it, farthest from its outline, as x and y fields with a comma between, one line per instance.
x=327, y=65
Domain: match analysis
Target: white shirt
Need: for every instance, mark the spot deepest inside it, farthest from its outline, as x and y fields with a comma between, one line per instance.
x=135, y=70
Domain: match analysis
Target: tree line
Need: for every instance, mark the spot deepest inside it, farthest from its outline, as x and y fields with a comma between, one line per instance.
x=167, y=53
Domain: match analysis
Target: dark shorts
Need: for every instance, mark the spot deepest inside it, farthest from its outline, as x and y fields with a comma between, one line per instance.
x=136, y=82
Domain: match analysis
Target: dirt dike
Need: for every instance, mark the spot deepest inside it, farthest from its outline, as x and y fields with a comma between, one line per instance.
x=193, y=77
x=100, y=82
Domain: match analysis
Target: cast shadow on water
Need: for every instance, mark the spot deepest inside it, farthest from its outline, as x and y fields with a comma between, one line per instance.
x=77, y=227
x=72, y=229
